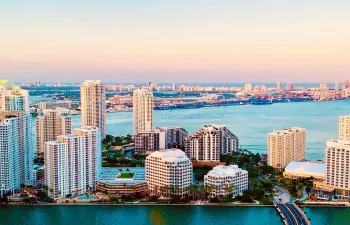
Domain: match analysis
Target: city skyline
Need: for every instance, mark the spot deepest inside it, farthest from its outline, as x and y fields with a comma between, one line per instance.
x=172, y=42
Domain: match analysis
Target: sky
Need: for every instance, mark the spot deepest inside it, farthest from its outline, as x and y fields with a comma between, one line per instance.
x=175, y=41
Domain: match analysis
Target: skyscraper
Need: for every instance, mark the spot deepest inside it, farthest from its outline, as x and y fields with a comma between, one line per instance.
x=9, y=152
x=14, y=103
x=290, y=86
x=142, y=110
x=248, y=87
x=174, y=87
x=337, y=158
x=336, y=86
x=279, y=85
x=210, y=142
x=73, y=162
x=285, y=146
x=93, y=105
x=13, y=98
x=51, y=123
x=344, y=127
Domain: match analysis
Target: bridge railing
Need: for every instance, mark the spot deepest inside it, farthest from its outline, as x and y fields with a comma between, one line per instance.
x=301, y=212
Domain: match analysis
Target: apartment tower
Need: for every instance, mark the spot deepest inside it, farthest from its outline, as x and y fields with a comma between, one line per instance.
x=73, y=162
x=337, y=159
x=344, y=127
x=210, y=142
x=285, y=146
x=93, y=105
x=51, y=123
x=142, y=110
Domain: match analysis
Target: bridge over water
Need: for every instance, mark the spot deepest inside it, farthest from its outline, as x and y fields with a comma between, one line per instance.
x=291, y=214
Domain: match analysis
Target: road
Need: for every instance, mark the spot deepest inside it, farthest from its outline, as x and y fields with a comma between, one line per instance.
x=299, y=216
x=285, y=196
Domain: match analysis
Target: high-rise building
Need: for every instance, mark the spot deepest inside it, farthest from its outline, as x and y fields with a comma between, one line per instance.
x=323, y=86
x=336, y=86
x=13, y=98
x=149, y=141
x=210, y=142
x=24, y=137
x=73, y=162
x=248, y=87
x=9, y=152
x=221, y=176
x=279, y=85
x=51, y=123
x=174, y=87
x=346, y=84
x=37, y=83
x=14, y=103
x=285, y=146
x=290, y=86
x=168, y=168
x=93, y=105
x=142, y=110
x=337, y=159
x=174, y=137
x=152, y=86
x=53, y=105
x=344, y=127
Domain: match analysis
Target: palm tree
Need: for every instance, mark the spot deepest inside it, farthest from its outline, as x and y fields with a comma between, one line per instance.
x=210, y=189
x=45, y=188
x=133, y=187
x=203, y=190
x=228, y=190
x=299, y=187
x=51, y=192
x=194, y=189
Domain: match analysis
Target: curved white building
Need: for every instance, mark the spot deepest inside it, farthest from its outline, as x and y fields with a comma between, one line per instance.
x=142, y=110
x=168, y=168
x=221, y=176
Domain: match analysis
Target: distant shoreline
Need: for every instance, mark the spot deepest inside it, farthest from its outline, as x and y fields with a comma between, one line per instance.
x=180, y=205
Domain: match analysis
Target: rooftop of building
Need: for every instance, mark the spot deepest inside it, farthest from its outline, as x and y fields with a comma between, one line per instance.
x=170, y=155
x=142, y=91
x=223, y=171
x=92, y=82
x=345, y=144
x=309, y=168
x=288, y=130
x=109, y=175
x=11, y=84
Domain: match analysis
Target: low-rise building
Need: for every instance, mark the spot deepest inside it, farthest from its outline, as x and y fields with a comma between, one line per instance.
x=225, y=178
x=305, y=169
x=168, y=168
x=122, y=181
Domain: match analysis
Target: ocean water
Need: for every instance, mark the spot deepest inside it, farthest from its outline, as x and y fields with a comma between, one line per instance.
x=160, y=215
x=250, y=123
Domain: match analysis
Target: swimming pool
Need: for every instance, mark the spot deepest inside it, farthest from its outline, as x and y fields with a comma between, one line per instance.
x=85, y=198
